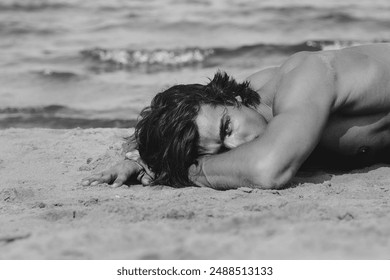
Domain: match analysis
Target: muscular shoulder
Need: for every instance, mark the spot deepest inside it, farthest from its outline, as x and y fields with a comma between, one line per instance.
x=312, y=63
x=300, y=60
x=304, y=78
x=262, y=77
x=314, y=70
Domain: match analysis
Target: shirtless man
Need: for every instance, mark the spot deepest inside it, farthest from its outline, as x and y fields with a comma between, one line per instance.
x=333, y=105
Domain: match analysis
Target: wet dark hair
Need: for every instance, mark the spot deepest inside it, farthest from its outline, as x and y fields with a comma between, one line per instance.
x=167, y=134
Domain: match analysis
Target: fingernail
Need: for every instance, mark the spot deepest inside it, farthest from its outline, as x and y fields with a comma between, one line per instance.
x=115, y=185
x=94, y=183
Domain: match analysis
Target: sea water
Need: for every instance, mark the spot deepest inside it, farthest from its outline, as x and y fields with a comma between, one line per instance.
x=96, y=63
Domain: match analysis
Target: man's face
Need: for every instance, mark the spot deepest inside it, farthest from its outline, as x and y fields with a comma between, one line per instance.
x=227, y=127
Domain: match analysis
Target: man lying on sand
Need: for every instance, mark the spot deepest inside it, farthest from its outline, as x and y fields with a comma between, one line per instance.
x=332, y=105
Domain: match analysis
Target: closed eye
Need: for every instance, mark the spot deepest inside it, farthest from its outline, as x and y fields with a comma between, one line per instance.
x=228, y=126
x=224, y=127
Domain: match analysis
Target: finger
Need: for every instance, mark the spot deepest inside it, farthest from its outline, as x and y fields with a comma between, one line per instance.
x=146, y=168
x=104, y=178
x=141, y=174
x=146, y=180
x=87, y=181
x=134, y=155
x=150, y=174
x=95, y=176
x=128, y=155
x=119, y=181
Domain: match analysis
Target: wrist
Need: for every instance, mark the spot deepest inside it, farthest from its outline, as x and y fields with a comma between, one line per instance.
x=198, y=175
x=135, y=165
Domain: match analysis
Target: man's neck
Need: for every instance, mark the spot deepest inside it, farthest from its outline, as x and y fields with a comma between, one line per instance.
x=267, y=95
x=266, y=111
x=264, y=84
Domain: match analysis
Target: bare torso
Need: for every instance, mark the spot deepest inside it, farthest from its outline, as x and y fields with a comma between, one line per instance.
x=358, y=129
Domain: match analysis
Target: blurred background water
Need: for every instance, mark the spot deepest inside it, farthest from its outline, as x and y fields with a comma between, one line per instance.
x=96, y=63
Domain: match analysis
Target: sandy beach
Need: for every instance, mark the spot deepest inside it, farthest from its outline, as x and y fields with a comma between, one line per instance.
x=47, y=214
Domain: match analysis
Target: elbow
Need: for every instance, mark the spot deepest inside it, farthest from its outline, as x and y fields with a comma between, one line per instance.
x=269, y=176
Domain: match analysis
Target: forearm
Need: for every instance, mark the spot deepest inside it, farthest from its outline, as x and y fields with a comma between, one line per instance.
x=231, y=170
x=211, y=178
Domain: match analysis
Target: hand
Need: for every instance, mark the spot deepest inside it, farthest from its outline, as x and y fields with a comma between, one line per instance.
x=116, y=175
x=146, y=176
x=197, y=174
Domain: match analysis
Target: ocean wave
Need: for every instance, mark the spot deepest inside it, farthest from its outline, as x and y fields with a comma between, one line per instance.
x=165, y=59
x=123, y=58
x=288, y=9
x=57, y=116
x=20, y=28
x=58, y=75
x=32, y=121
x=340, y=17
x=310, y=45
x=51, y=109
x=31, y=6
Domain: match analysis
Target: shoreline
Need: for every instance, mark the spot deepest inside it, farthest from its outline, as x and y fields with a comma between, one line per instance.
x=47, y=214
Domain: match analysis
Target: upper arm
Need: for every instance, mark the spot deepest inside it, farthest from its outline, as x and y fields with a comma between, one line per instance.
x=302, y=104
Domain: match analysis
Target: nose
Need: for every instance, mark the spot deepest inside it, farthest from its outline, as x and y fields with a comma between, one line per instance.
x=232, y=142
